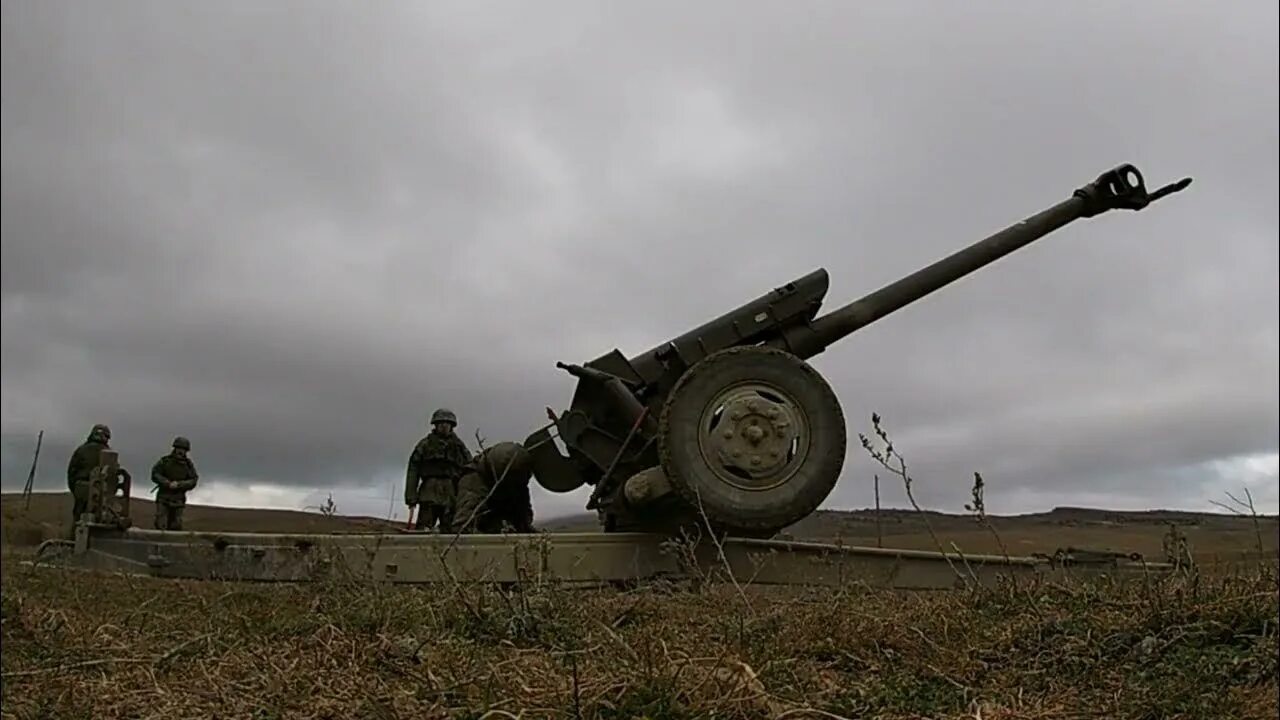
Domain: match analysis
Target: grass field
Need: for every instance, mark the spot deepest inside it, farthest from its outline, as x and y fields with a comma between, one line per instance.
x=79, y=645
x=83, y=646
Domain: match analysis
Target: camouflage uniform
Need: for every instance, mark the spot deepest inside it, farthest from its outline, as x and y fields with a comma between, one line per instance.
x=484, y=508
x=81, y=466
x=432, y=476
x=175, y=476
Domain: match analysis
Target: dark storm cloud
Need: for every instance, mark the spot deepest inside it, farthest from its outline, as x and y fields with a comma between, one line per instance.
x=290, y=231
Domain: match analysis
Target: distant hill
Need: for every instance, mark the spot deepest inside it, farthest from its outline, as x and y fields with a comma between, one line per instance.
x=1210, y=534
x=50, y=516
x=828, y=523
x=855, y=523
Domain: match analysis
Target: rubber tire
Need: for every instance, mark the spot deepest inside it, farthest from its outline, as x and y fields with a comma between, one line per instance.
x=727, y=507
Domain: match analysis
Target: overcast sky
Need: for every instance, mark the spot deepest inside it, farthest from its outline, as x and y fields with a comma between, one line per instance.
x=291, y=230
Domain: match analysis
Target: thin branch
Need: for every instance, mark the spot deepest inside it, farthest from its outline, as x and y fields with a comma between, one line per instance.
x=1248, y=505
x=720, y=552
x=74, y=666
x=979, y=509
x=1228, y=508
x=901, y=471
x=810, y=712
x=879, y=531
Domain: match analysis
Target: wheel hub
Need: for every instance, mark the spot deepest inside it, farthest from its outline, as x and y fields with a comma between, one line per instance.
x=749, y=436
x=752, y=439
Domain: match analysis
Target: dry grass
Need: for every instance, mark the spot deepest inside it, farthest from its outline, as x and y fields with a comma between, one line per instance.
x=1179, y=646
x=80, y=645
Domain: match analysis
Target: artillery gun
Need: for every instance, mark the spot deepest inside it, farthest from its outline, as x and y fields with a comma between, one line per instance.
x=728, y=422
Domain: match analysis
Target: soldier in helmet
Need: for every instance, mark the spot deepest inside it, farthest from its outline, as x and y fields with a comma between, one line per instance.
x=493, y=494
x=175, y=476
x=82, y=464
x=431, y=481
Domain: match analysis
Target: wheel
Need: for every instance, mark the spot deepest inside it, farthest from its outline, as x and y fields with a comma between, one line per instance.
x=754, y=437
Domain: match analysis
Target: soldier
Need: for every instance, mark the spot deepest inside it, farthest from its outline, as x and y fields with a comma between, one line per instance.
x=495, y=491
x=431, y=481
x=84, y=460
x=175, y=476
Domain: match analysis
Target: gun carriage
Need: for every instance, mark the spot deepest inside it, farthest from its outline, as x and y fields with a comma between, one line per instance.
x=728, y=421
x=725, y=425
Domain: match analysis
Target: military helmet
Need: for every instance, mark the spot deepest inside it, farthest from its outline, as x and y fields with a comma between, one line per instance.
x=444, y=415
x=100, y=430
x=181, y=442
x=507, y=460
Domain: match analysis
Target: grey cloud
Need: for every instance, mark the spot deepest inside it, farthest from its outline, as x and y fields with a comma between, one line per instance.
x=291, y=231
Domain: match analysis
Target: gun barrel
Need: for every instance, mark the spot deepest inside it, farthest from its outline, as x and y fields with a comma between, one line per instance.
x=1121, y=187
x=900, y=293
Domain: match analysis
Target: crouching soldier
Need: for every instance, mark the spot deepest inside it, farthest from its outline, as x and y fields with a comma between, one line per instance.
x=494, y=492
x=84, y=461
x=174, y=476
